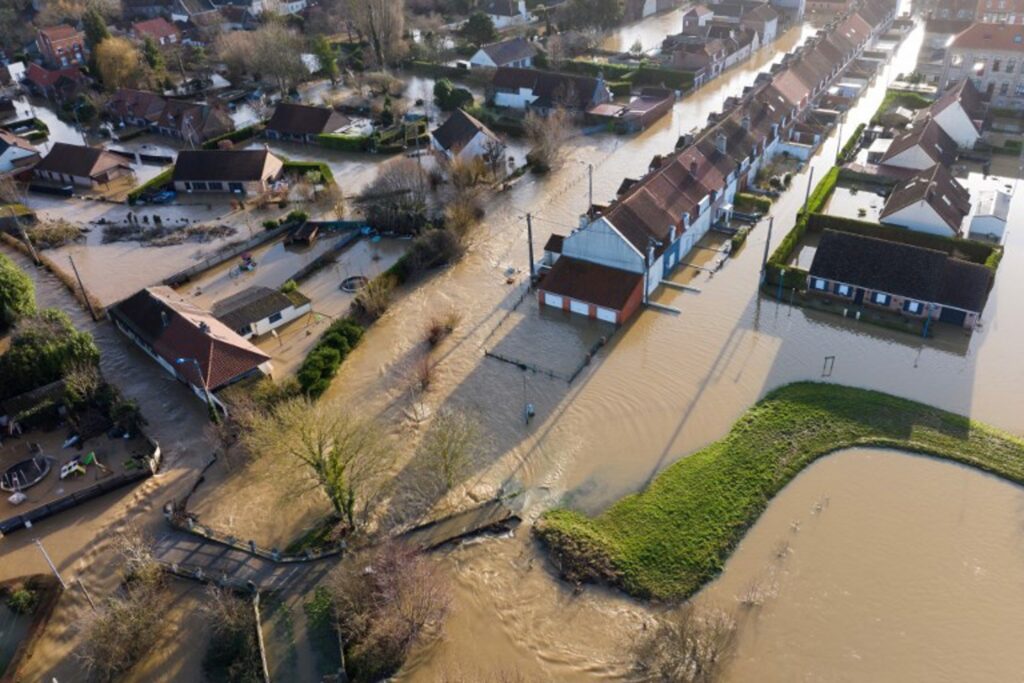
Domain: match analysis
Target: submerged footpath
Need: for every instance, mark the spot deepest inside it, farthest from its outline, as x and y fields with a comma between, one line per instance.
x=670, y=539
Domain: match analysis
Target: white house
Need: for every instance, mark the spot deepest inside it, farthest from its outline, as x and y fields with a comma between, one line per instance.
x=257, y=311
x=544, y=90
x=464, y=137
x=16, y=153
x=921, y=147
x=990, y=219
x=932, y=202
x=505, y=13
x=517, y=52
x=959, y=112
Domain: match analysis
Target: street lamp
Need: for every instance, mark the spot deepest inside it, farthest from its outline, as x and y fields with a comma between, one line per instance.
x=202, y=378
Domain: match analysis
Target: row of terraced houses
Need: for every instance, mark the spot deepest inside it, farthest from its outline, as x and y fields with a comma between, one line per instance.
x=610, y=265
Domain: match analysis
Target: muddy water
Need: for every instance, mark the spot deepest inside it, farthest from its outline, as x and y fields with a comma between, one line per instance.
x=893, y=567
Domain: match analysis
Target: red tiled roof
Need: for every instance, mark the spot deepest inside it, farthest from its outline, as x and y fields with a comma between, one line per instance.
x=44, y=78
x=1003, y=37
x=155, y=28
x=61, y=32
x=591, y=282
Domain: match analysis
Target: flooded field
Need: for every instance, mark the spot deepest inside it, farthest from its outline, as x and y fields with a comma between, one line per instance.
x=881, y=566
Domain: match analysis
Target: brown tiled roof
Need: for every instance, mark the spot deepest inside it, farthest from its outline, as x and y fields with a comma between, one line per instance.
x=302, y=119
x=591, y=282
x=155, y=28
x=939, y=189
x=176, y=328
x=190, y=118
x=457, y=131
x=508, y=51
x=925, y=275
x=932, y=139
x=60, y=32
x=79, y=160
x=44, y=78
x=989, y=37
x=136, y=104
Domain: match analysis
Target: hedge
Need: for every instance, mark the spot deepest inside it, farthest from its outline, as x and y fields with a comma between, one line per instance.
x=304, y=166
x=739, y=239
x=969, y=250
x=240, y=135
x=896, y=98
x=781, y=256
x=670, y=78
x=154, y=183
x=345, y=143
x=1010, y=146
x=744, y=200
x=606, y=70
x=620, y=88
x=327, y=355
x=851, y=145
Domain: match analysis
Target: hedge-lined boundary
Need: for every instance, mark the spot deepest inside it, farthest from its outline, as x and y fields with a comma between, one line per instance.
x=322, y=362
x=796, y=278
x=670, y=539
x=157, y=181
x=240, y=135
x=852, y=144
x=305, y=166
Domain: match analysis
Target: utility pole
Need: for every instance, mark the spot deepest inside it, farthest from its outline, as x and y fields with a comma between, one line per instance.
x=767, y=246
x=85, y=294
x=53, y=567
x=529, y=240
x=590, y=183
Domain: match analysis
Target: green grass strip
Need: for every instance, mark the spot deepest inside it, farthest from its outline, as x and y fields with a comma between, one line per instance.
x=669, y=540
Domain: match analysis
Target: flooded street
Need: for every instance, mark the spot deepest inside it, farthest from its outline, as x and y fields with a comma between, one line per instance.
x=851, y=595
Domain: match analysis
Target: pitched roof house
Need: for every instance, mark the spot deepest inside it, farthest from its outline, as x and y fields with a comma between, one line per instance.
x=193, y=122
x=960, y=112
x=545, y=90
x=158, y=29
x=16, y=153
x=81, y=165
x=61, y=45
x=464, y=137
x=303, y=123
x=505, y=13
x=516, y=52
x=57, y=84
x=242, y=171
x=188, y=341
x=989, y=220
x=902, y=278
x=931, y=201
x=921, y=147
x=256, y=311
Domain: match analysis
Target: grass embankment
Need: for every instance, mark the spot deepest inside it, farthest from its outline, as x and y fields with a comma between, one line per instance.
x=670, y=539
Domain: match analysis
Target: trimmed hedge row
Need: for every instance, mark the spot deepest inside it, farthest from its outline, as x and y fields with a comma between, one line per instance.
x=644, y=74
x=345, y=143
x=671, y=78
x=739, y=239
x=851, y=145
x=154, y=183
x=240, y=135
x=780, y=257
x=744, y=200
x=323, y=361
x=304, y=166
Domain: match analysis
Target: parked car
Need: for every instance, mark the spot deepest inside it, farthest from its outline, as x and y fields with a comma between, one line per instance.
x=165, y=197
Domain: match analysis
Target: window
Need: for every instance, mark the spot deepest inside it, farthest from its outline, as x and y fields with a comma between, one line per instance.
x=274, y=317
x=912, y=307
x=843, y=290
x=216, y=186
x=881, y=299
x=957, y=60
x=820, y=284
x=1019, y=92
x=1004, y=89
x=995, y=65
x=1011, y=64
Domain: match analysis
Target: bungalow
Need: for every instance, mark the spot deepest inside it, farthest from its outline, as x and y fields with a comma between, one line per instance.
x=921, y=147
x=515, y=52
x=16, y=153
x=901, y=278
x=591, y=289
x=61, y=45
x=990, y=219
x=544, y=90
x=302, y=123
x=161, y=31
x=81, y=165
x=959, y=112
x=190, y=343
x=932, y=202
x=241, y=171
x=61, y=85
x=505, y=13
x=193, y=122
x=464, y=137
x=256, y=311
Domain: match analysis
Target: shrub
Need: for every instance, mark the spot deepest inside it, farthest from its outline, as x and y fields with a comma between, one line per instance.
x=17, y=293
x=44, y=347
x=323, y=361
x=296, y=217
x=23, y=601
x=345, y=143
x=851, y=145
x=239, y=135
x=374, y=299
x=449, y=98
x=152, y=185
x=746, y=201
x=289, y=287
x=739, y=239
x=270, y=224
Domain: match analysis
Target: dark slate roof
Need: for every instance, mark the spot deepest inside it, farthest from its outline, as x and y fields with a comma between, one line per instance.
x=554, y=243
x=591, y=282
x=176, y=328
x=501, y=8
x=550, y=88
x=254, y=304
x=223, y=165
x=967, y=95
x=925, y=275
x=458, y=130
x=508, y=51
x=940, y=189
x=301, y=119
x=78, y=160
x=935, y=142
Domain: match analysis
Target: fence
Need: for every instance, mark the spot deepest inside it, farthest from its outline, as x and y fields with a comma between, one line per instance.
x=183, y=276
x=328, y=256
x=71, y=500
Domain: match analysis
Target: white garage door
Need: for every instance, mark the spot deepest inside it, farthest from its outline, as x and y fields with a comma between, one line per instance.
x=579, y=307
x=606, y=314
x=553, y=300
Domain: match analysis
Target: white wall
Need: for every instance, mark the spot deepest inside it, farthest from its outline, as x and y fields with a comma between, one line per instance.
x=12, y=154
x=516, y=100
x=920, y=217
x=482, y=59
x=914, y=158
x=289, y=314
x=957, y=124
x=601, y=243
x=990, y=226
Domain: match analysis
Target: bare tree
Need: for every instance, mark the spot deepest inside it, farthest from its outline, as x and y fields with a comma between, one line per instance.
x=396, y=199
x=385, y=602
x=452, y=445
x=690, y=645
x=345, y=457
x=382, y=23
x=233, y=652
x=375, y=298
x=547, y=136
x=494, y=155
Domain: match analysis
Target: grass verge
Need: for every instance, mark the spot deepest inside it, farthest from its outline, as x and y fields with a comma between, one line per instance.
x=669, y=540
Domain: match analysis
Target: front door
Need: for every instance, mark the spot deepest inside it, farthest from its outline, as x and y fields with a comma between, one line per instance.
x=858, y=298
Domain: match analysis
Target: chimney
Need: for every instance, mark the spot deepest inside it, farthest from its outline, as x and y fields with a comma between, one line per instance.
x=693, y=168
x=164, y=319
x=746, y=122
x=721, y=142
x=671, y=234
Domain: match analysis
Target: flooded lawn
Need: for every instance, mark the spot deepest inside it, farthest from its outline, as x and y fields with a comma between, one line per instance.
x=877, y=565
